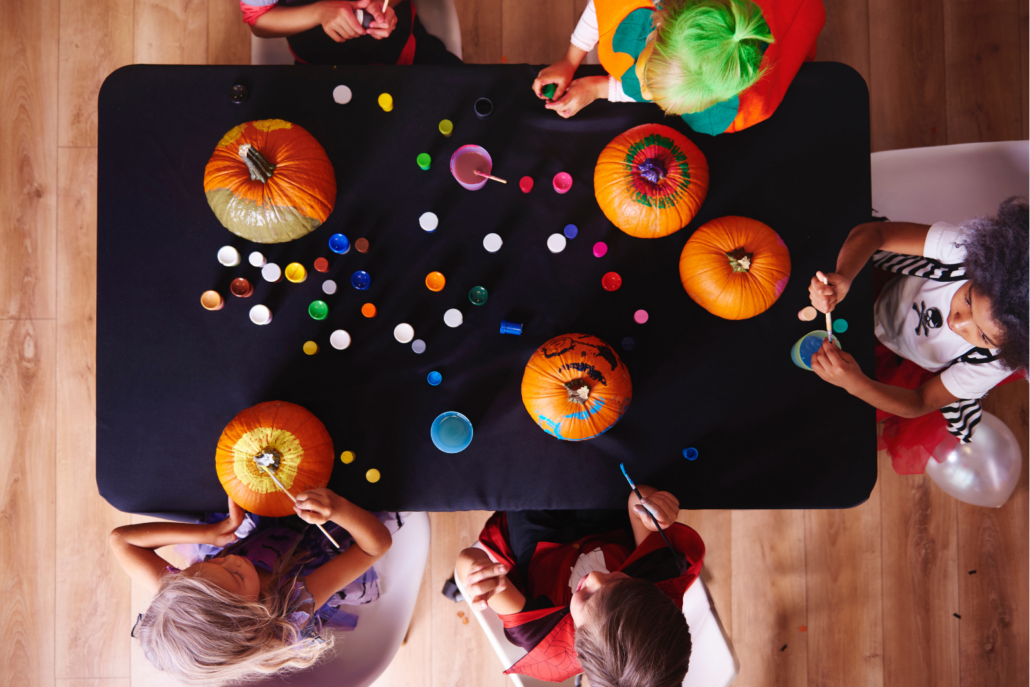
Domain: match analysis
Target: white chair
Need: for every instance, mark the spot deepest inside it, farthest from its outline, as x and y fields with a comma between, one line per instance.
x=361, y=656
x=713, y=662
x=438, y=16
x=948, y=183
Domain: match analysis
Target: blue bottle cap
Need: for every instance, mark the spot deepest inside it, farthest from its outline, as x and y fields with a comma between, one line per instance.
x=338, y=243
x=690, y=453
x=360, y=280
x=511, y=328
x=434, y=378
x=840, y=326
x=571, y=231
x=628, y=343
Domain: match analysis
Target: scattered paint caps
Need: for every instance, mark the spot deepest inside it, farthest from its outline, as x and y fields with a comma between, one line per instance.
x=338, y=243
x=435, y=281
x=310, y=347
x=549, y=90
x=342, y=95
x=347, y=457
x=361, y=280
x=611, y=281
x=562, y=182
x=484, y=107
x=478, y=295
x=271, y=272
x=808, y=314
x=526, y=184
x=446, y=127
x=260, y=314
x=361, y=245
x=228, y=256
x=321, y=265
x=690, y=453
x=241, y=288
x=600, y=248
x=373, y=476
x=453, y=317
x=640, y=316
x=404, y=332
x=451, y=432
x=434, y=378
x=368, y=310
x=295, y=273
x=429, y=221
x=840, y=326
x=423, y=161
x=571, y=231
x=257, y=259
x=339, y=340
x=318, y=310
x=556, y=243
x=492, y=243
x=514, y=328
x=329, y=287
x=212, y=300
x=418, y=345
x=385, y=101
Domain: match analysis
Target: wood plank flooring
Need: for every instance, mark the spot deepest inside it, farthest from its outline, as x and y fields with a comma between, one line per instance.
x=858, y=597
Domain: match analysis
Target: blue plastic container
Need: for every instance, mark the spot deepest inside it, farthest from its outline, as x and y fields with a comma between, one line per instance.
x=451, y=432
x=511, y=328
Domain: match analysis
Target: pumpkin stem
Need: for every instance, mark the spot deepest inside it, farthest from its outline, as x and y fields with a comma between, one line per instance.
x=269, y=458
x=652, y=169
x=578, y=391
x=260, y=168
x=739, y=260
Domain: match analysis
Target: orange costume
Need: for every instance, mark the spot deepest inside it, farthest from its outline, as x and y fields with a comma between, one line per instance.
x=624, y=27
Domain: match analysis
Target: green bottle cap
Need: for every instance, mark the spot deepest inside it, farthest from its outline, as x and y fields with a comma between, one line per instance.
x=423, y=160
x=549, y=90
x=477, y=295
x=318, y=310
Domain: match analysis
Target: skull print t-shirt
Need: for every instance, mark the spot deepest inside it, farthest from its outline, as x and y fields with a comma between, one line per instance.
x=912, y=320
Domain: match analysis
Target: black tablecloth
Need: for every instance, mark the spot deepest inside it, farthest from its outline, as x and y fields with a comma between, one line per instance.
x=171, y=375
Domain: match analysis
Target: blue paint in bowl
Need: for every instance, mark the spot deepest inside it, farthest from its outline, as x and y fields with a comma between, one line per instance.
x=451, y=432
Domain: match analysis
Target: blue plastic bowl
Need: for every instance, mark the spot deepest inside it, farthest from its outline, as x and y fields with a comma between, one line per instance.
x=451, y=432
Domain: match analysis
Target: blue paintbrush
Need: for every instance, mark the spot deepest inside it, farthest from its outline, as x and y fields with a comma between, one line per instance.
x=676, y=555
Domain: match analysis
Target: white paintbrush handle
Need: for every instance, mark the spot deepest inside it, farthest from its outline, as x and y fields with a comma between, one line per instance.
x=829, y=321
x=294, y=499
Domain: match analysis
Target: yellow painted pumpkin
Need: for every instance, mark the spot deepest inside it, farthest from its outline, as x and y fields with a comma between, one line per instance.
x=270, y=181
x=576, y=387
x=735, y=267
x=296, y=441
x=650, y=181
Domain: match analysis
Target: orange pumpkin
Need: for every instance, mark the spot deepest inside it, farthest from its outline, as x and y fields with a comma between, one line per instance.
x=650, y=181
x=296, y=440
x=735, y=267
x=270, y=181
x=575, y=387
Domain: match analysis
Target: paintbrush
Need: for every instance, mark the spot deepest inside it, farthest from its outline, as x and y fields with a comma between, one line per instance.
x=676, y=555
x=487, y=176
x=257, y=459
x=829, y=321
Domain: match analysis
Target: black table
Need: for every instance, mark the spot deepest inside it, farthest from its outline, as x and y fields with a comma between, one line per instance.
x=170, y=375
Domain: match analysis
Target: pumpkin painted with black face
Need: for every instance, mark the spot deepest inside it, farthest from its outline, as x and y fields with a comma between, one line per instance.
x=576, y=387
x=651, y=181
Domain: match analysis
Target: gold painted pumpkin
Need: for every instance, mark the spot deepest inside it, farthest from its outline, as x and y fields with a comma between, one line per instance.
x=735, y=267
x=650, y=181
x=270, y=181
x=296, y=441
x=576, y=387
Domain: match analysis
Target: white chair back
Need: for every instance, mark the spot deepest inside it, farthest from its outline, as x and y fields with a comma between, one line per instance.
x=948, y=183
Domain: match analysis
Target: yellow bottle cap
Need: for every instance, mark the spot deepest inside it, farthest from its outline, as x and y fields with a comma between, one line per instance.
x=347, y=457
x=446, y=127
x=372, y=475
x=310, y=347
x=386, y=101
x=296, y=273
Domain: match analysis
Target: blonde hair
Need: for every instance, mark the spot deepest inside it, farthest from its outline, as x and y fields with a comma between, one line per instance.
x=706, y=52
x=205, y=635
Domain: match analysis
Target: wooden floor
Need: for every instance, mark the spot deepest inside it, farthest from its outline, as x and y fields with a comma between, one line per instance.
x=878, y=588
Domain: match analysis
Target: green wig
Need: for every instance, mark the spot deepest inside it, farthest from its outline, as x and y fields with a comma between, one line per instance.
x=706, y=51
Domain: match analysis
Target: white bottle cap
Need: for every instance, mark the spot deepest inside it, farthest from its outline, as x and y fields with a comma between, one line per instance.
x=342, y=94
x=257, y=259
x=260, y=314
x=329, y=286
x=492, y=243
x=404, y=332
x=228, y=256
x=339, y=339
x=271, y=272
x=429, y=221
x=418, y=345
x=453, y=317
x=556, y=243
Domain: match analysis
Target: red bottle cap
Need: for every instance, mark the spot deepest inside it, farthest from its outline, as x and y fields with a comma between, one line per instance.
x=321, y=265
x=611, y=281
x=526, y=184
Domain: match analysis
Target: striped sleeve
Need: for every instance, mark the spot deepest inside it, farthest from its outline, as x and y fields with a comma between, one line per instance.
x=962, y=416
x=252, y=9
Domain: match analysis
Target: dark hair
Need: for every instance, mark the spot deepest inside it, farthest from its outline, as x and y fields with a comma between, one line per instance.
x=636, y=637
x=997, y=267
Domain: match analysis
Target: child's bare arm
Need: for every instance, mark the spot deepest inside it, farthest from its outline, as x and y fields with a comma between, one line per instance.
x=336, y=17
x=664, y=505
x=862, y=242
x=486, y=581
x=134, y=545
x=371, y=541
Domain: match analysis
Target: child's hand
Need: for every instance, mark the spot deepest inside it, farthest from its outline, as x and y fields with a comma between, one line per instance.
x=664, y=506
x=223, y=533
x=560, y=74
x=580, y=93
x=339, y=21
x=485, y=579
x=316, y=506
x=384, y=22
x=825, y=297
x=836, y=366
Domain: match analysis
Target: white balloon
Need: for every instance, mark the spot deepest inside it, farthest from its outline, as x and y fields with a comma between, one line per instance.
x=983, y=472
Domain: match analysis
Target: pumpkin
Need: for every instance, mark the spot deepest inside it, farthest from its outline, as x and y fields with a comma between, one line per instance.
x=735, y=267
x=270, y=181
x=650, y=181
x=575, y=387
x=297, y=442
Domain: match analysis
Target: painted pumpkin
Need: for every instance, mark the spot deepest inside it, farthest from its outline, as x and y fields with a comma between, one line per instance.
x=650, y=181
x=735, y=267
x=270, y=181
x=576, y=387
x=297, y=443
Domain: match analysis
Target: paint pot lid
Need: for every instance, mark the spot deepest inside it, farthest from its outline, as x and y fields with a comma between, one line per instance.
x=434, y=378
x=338, y=243
x=361, y=245
x=342, y=94
x=321, y=265
x=492, y=243
x=418, y=345
x=257, y=259
x=228, y=256
x=556, y=243
x=453, y=317
x=600, y=248
x=526, y=184
x=339, y=339
x=429, y=221
x=611, y=281
x=640, y=316
x=271, y=272
x=329, y=286
x=404, y=332
x=571, y=231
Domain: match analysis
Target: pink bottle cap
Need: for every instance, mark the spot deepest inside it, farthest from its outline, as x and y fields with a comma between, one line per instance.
x=562, y=182
x=600, y=248
x=640, y=316
x=526, y=184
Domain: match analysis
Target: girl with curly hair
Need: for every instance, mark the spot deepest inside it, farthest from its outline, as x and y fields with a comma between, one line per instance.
x=723, y=65
x=952, y=325
x=253, y=607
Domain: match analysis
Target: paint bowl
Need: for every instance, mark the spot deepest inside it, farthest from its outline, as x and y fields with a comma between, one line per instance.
x=338, y=243
x=802, y=351
x=466, y=161
x=212, y=300
x=451, y=432
x=562, y=182
x=484, y=107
